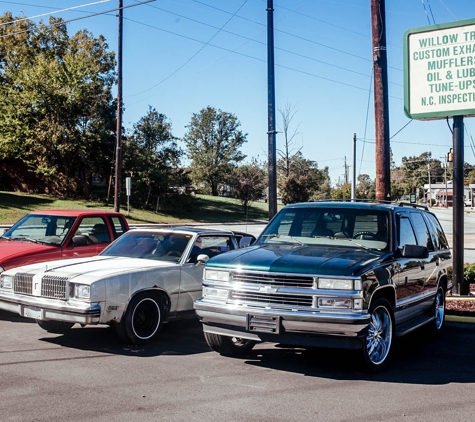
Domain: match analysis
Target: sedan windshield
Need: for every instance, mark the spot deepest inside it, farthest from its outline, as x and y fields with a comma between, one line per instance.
x=165, y=246
x=43, y=229
x=358, y=228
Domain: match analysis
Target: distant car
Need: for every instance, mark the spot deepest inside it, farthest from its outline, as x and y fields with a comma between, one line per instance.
x=144, y=278
x=58, y=234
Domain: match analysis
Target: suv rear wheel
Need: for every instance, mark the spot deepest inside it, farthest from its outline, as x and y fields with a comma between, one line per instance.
x=378, y=345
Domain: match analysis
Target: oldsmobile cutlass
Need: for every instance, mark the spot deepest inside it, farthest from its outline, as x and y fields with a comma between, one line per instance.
x=144, y=278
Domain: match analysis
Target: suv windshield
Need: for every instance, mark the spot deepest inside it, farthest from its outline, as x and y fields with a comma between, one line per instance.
x=352, y=227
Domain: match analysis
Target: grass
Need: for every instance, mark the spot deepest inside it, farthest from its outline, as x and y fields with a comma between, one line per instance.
x=202, y=209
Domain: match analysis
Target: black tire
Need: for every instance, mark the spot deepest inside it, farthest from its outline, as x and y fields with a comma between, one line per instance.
x=56, y=327
x=229, y=346
x=142, y=320
x=438, y=310
x=378, y=344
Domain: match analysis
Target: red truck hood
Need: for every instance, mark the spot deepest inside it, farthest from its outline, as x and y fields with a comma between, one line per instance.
x=14, y=253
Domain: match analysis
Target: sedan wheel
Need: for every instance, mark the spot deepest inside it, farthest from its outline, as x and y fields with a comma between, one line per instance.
x=56, y=327
x=142, y=320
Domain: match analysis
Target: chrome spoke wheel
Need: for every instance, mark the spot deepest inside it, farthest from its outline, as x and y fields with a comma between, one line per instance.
x=380, y=335
x=439, y=309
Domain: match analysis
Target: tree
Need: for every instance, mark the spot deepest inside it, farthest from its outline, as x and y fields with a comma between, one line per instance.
x=213, y=141
x=58, y=114
x=289, y=150
x=248, y=183
x=305, y=180
x=366, y=188
x=152, y=157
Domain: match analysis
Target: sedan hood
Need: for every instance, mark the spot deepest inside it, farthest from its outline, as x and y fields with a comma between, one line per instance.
x=96, y=267
x=314, y=260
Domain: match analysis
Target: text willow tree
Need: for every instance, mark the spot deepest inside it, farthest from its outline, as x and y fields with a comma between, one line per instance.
x=213, y=141
x=58, y=113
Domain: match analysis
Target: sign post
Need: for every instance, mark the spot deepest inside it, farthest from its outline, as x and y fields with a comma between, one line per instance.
x=128, y=189
x=439, y=82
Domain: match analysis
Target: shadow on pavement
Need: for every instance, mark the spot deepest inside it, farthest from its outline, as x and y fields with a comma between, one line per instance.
x=419, y=358
x=176, y=338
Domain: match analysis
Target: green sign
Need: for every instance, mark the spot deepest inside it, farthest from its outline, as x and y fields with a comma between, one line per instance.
x=439, y=71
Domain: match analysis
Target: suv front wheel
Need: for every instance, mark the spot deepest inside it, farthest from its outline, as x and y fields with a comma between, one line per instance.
x=378, y=344
x=229, y=346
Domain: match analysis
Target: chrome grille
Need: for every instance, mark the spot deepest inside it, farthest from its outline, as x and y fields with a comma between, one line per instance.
x=23, y=283
x=281, y=280
x=272, y=299
x=54, y=287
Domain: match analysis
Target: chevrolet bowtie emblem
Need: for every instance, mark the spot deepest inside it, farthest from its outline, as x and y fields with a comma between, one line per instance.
x=267, y=289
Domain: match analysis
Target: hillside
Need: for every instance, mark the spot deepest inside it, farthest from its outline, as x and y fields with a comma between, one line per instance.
x=203, y=209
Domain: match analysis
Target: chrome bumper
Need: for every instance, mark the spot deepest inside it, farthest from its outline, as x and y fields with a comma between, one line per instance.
x=282, y=326
x=50, y=309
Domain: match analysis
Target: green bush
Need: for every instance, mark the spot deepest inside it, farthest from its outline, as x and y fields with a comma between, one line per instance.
x=468, y=272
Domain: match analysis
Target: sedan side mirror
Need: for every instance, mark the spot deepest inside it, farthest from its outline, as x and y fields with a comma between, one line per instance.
x=245, y=241
x=202, y=259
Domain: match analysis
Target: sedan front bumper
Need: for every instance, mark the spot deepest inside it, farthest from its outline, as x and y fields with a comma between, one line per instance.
x=50, y=309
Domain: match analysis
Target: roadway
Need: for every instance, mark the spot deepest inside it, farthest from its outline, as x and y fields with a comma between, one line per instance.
x=88, y=375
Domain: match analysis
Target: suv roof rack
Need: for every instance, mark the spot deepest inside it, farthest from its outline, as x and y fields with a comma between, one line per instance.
x=408, y=204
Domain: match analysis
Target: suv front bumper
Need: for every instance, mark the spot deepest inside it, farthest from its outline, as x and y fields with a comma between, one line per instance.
x=329, y=329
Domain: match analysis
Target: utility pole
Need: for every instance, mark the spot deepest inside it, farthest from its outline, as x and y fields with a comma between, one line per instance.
x=353, y=186
x=118, y=154
x=272, y=149
x=381, y=101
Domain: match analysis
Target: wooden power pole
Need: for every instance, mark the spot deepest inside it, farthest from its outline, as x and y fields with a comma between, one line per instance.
x=118, y=153
x=381, y=102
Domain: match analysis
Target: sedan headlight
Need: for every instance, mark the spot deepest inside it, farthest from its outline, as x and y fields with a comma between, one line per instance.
x=215, y=275
x=82, y=291
x=6, y=282
x=338, y=284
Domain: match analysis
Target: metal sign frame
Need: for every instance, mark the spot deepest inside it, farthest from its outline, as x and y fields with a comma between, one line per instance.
x=446, y=48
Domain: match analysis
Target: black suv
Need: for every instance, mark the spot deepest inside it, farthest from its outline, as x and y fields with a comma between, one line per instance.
x=332, y=274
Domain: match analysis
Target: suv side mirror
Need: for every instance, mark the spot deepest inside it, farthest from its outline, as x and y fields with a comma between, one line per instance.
x=202, y=258
x=415, y=251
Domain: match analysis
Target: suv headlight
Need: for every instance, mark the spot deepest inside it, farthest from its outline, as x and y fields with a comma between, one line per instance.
x=215, y=275
x=338, y=284
x=82, y=291
x=6, y=282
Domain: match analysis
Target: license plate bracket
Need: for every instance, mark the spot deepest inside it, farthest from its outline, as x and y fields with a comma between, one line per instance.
x=263, y=323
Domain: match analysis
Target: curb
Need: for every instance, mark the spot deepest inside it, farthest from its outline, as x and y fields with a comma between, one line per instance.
x=459, y=317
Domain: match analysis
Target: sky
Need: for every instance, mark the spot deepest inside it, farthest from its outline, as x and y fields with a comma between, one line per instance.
x=180, y=56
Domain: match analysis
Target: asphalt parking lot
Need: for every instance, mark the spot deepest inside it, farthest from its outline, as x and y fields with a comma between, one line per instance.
x=88, y=375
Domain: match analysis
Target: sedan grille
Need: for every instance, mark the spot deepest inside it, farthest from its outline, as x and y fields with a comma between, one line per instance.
x=272, y=299
x=280, y=280
x=23, y=283
x=54, y=287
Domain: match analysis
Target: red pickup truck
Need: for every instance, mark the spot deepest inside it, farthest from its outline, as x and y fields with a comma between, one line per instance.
x=59, y=234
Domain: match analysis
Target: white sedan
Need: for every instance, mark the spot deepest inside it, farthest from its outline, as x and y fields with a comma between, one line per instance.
x=144, y=278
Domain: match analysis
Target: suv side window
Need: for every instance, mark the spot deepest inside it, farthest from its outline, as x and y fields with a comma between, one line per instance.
x=422, y=234
x=405, y=235
x=439, y=233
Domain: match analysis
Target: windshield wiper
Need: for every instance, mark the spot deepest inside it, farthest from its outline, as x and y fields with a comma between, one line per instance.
x=5, y=237
x=28, y=239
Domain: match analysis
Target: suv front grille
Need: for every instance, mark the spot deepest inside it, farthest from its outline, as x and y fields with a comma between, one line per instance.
x=278, y=280
x=23, y=283
x=272, y=299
